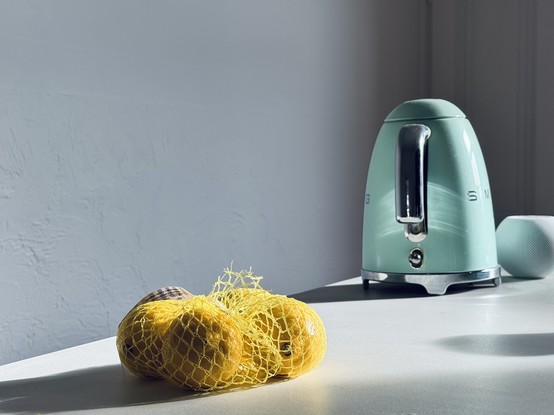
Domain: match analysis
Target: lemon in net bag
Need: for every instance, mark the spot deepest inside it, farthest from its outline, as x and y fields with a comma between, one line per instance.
x=139, y=337
x=203, y=346
x=239, y=334
x=295, y=330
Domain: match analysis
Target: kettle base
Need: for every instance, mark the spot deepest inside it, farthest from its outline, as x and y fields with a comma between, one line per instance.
x=435, y=284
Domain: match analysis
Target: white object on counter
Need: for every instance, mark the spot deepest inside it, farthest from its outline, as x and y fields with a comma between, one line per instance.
x=525, y=245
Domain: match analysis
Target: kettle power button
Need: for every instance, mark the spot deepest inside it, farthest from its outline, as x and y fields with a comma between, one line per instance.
x=416, y=258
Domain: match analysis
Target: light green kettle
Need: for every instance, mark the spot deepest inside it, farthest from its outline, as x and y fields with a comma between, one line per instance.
x=428, y=216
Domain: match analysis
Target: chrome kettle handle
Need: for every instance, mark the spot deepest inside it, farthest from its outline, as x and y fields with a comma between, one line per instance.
x=411, y=153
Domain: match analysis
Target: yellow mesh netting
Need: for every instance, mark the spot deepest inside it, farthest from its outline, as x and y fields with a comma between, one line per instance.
x=239, y=334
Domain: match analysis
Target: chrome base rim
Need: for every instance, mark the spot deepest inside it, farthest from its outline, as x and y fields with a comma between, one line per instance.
x=436, y=284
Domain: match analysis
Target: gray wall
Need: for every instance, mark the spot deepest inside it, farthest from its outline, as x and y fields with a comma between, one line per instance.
x=152, y=143
x=495, y=59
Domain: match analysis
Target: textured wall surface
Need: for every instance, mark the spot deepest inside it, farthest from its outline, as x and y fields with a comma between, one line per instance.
x=152, y=143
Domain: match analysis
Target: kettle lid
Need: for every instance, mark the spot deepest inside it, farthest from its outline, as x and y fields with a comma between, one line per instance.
x=425, y=109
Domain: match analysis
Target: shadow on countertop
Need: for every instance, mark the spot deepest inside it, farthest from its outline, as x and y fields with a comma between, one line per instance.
x=518, y=344
x=385, y=291
x=94, y=388
x=376, y=291
x=97, y=388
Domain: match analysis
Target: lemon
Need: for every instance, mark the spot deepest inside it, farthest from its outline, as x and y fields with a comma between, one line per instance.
x=139, y=336
x=261, y=359
x=203, y=346
x=297, y=332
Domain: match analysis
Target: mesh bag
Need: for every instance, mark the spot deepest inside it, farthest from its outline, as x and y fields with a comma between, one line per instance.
x=239, y=334
x=294, y=329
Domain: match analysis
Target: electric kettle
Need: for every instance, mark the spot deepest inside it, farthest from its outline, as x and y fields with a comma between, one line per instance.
x=428, y=216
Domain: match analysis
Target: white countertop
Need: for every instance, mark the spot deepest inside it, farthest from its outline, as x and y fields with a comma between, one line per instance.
x=391, y=350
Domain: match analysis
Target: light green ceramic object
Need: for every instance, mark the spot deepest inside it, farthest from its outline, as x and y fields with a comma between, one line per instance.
x=458, y=244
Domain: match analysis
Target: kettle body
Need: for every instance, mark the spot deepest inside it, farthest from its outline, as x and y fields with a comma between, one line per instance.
x=428, y=213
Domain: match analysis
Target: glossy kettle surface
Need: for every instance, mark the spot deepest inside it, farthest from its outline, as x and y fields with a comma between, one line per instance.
x=428, y=216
